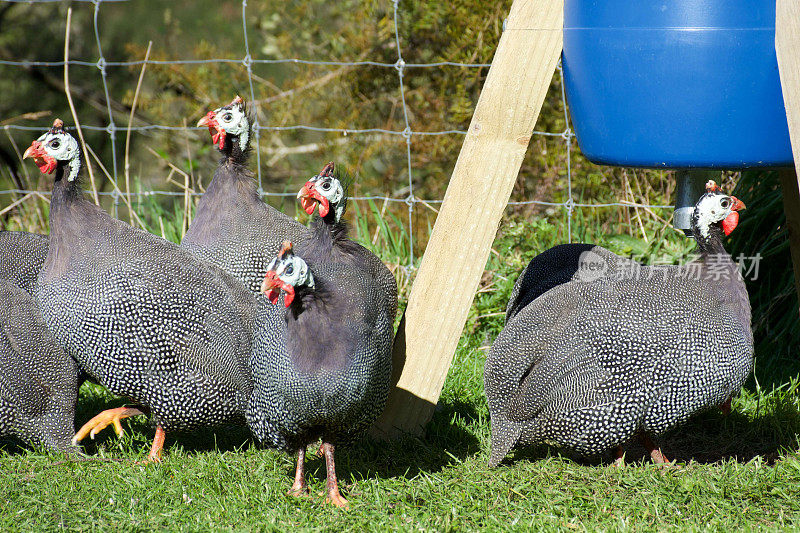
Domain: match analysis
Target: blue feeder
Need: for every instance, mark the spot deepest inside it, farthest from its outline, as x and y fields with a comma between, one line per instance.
x=678, y=83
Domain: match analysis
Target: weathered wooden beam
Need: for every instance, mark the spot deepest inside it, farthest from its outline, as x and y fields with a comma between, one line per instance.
x=478, y=192
x=791, y=206
x=787, y=48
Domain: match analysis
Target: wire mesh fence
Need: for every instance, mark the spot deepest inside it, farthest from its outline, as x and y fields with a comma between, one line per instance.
x=246, y=62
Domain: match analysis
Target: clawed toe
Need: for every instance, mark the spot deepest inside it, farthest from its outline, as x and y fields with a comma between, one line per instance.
x=104, y=419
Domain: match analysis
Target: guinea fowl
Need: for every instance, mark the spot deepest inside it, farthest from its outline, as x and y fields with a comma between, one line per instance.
x=327, y=191
x=38, y=381
x=589, y=364
x=233, y=228
x=332, y=379
x=142, y=316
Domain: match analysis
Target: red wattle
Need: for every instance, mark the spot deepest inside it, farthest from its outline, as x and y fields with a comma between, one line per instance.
x=46, y=164
x=289, y=298
x=730, y=222
x=324, y=206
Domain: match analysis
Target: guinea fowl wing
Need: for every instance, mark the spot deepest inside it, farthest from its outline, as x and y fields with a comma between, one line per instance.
x=188, y=304
x=38, y=381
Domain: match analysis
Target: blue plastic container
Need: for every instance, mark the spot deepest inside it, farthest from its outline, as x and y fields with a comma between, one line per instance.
x=675, y=83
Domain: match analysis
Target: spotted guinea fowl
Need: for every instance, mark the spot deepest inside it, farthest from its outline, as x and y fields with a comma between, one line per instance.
x=332, y=379
x=233, y=228
x=142, y=316
x=38, y=381
x=589, y=364
x=327, y=191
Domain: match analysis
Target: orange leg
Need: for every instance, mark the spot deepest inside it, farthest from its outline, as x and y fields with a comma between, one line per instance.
x=100, y=421
x=655, y=452
x=299, y=487
x=334, y=496
x=158, y=444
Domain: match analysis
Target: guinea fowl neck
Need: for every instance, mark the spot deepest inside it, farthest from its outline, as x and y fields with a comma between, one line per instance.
x=328, y=229
x=66, y=196
x=232, y=178
x=329, y=241
x=307, y=301
x=316, y=337
x=76, y=227
x=709, y=245
x=233, y=154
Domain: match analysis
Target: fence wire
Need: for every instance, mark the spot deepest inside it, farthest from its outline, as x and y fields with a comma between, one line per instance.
x=246, y=61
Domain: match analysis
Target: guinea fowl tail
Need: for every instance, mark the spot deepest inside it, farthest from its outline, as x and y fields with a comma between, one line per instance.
x=505, y=434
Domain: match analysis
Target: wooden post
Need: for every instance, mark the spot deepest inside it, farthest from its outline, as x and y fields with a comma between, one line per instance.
x=787, y=48
x=478, y=192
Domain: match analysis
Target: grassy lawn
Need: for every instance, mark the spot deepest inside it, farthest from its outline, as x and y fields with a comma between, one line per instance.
x=736, y=472
x=740, y=471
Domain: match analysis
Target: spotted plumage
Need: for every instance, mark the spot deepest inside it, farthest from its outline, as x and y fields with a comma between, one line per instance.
x=142, y=316
x=331, y=380
x=38, y=381
x=597, y=359
x=233, y=227
x=22, y=257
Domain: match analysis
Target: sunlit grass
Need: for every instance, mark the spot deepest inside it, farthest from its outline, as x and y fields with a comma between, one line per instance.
x=736, y=472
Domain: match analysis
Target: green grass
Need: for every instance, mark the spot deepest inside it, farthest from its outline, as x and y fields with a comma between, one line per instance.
x=736, y=472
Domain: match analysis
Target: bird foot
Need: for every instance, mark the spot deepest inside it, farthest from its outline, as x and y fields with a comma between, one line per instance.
x=659, y=458
x=337, y=499
x=655, y=452
x=334, y=496
x=298, y=490
x=102, y=420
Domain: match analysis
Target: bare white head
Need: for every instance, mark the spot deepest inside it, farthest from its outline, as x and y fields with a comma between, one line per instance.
x=229, y=120
x=54, y=147
x=285, y=273
x=324, y=190
x=716, y=207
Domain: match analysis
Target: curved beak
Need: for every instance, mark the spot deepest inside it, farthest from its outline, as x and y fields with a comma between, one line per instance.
x=309, y=198
x=33, y=150
x=738, y=205
x=217, y=134
x=45, y=162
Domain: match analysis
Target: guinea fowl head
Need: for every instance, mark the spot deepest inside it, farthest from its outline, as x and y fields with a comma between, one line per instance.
x=715, y=213
x=286, y=273
x=229, y=121
x=55, y=151
x=326, y=190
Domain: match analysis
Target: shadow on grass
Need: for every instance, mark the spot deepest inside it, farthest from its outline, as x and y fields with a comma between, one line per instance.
x=447, y=440
x=707, y=438
x=139, y=431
